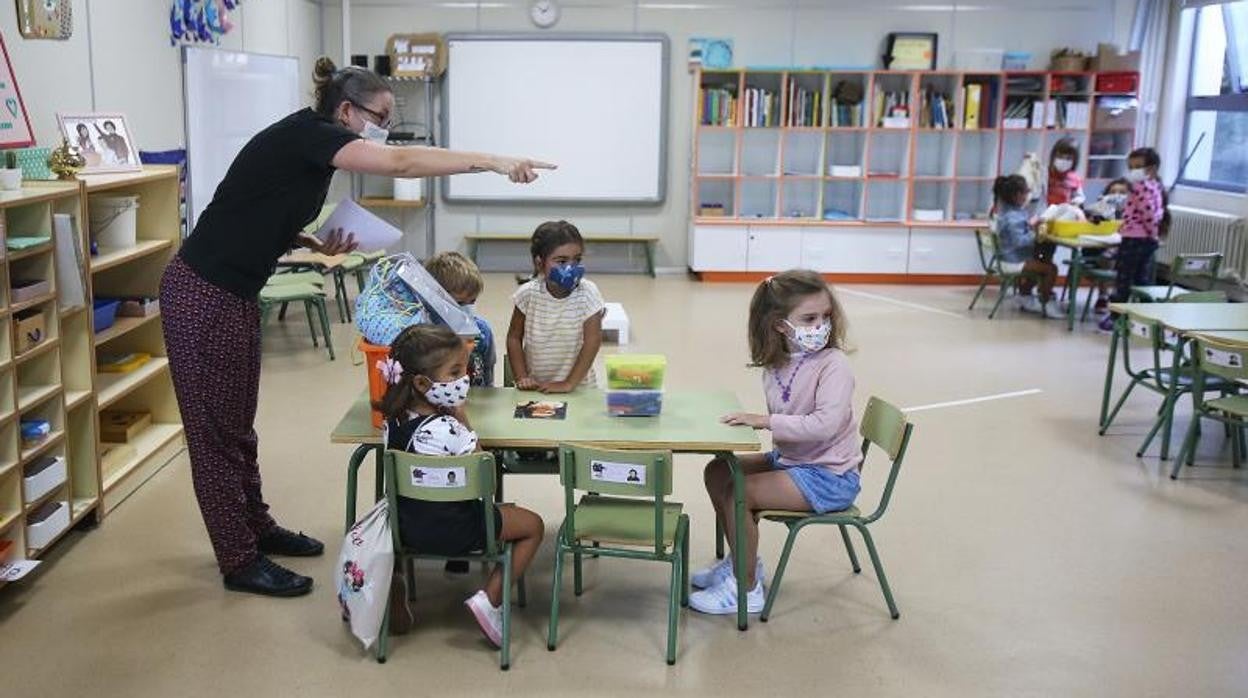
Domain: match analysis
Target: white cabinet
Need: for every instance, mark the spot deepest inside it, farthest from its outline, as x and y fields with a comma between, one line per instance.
x=719, y=248
x=774, y=248
x=856, y=250
x=943, y=251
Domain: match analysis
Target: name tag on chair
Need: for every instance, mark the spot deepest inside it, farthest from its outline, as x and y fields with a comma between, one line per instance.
x=623, y=473
x=1226, y=359
x=1196, y=265
x=438, y=477
x=1140, y=329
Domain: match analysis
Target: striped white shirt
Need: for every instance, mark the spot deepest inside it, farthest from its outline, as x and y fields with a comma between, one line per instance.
x=554, y=328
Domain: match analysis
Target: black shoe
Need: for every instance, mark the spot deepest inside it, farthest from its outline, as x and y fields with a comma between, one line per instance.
x=457, y=566
x=279, y=541
x=267, y=578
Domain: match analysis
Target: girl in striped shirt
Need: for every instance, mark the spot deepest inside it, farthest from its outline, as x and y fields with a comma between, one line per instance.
x=556, y=327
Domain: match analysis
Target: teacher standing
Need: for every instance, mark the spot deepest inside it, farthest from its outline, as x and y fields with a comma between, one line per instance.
x=211, y=314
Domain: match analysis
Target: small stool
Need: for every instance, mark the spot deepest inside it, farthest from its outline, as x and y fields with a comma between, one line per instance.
x=616, y=320
x=313, y=299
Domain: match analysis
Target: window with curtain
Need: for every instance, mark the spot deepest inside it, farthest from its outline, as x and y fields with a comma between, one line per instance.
x=1216, y=126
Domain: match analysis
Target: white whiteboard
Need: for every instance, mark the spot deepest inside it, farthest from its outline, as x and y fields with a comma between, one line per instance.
x=596, y=105
x=230, y=96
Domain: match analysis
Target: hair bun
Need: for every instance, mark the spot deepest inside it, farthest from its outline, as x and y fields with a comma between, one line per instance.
x=324, y=70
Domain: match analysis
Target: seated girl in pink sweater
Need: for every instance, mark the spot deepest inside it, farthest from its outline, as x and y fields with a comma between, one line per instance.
x=797, y=335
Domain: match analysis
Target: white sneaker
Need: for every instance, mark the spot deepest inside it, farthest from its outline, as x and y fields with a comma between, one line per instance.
x=718, y=572
x=488, y=616
x=1031, y=304
x=722, y=599
x=1052, y=311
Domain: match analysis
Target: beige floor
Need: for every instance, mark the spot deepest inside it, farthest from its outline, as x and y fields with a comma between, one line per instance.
x=1029, y=557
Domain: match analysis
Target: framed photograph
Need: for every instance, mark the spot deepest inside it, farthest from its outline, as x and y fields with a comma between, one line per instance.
x=104, y=139
x=911, y=51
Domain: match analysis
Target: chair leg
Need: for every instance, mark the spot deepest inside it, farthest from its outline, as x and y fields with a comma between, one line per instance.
x=1239, y=436
x=1187, y=450
x=673, y=608
x=1235, y=452
x=979, y=292
x=1163, y=418
x=849, y=548
x=576, y=573
x=281, y=313
x=1000, y=299
x=504, y=659
x=311, y=313
x=684, y=567
x=775, y=580
x=383, y=642
x=1118, y=406
x=552, y=632
x=324, y=313
x=879, y=571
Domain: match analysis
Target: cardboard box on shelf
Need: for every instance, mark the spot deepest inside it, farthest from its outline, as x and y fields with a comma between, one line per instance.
x=1109, y=58
x=119, y=427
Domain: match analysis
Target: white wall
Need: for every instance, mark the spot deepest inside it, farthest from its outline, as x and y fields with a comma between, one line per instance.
x=135, y=70
x=765, y=32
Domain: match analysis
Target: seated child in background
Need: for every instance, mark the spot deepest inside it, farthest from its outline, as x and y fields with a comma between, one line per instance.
x=1108, y=207
x=1018, y=246
x=424, y=411
x=797, y=336
x=556, y=327
x=461, y=278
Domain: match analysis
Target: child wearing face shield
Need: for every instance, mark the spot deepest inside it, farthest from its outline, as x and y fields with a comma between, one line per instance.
x=424, y=410
x=462, y=279
x=556, y=327
x=797, y=337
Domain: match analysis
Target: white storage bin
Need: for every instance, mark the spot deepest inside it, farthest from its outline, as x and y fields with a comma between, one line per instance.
x=46, y=523
x=114, y=220
x=43, y=476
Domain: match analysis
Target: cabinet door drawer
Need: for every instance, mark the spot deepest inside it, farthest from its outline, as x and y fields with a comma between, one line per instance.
x=774, y=248
x=719, y=248
x=856, y=250
x=944, y=251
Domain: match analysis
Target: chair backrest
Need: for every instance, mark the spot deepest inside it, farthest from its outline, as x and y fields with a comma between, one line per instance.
x=1200, y=297
x=986, y=243
x=441, y=479
x=1196, y=266
x=1145, y=331
x=638, y=474
x=1227, y=360
x=887, y=427
x=509, y=378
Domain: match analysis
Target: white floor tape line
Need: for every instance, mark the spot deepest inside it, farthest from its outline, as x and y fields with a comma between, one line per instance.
x=973, y=400
x=895, y=301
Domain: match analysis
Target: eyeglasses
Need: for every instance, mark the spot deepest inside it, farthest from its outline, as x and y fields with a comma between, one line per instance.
x=382, y=120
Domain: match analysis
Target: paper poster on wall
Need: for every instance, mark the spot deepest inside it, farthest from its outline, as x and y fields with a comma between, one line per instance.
x=15, y=129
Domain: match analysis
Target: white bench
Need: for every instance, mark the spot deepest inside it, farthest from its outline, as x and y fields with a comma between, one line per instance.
x=616, y=321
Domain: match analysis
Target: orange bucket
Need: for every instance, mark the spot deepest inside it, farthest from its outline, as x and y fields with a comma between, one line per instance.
x=375, y=354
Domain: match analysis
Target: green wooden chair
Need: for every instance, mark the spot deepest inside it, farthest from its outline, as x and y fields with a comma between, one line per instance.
x=631, y=520
x=1200, y=297
x=1184, y=269
x=885, y=426
x=1159, y=379
x=477, y=483
x=313, y=299
x=990, y=259
x=1227, y=364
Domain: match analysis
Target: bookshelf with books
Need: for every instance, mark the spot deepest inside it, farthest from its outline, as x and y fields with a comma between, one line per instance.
x=905, y=158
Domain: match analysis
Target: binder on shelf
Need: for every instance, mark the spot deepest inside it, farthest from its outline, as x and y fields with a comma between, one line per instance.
x=974, y=95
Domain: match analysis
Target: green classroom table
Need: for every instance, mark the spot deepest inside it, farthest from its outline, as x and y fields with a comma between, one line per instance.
x=689, y=424
x=1182, y=319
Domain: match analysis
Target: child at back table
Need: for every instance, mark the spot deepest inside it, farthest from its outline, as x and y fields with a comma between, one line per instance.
x=556, y=327
x=797, y=336
x=461, y=278
x=424, y=410
x=1143, y=218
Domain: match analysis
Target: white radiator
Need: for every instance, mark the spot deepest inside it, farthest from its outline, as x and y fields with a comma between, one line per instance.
x=1195, y=231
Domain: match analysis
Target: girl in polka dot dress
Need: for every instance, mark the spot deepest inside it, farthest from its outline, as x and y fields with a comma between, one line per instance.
x=424, y=409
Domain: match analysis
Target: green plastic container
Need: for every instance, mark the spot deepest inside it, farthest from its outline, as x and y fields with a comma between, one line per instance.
x=635, y=371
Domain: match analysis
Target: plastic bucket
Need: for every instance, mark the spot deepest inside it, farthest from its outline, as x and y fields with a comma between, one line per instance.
x=114, y=220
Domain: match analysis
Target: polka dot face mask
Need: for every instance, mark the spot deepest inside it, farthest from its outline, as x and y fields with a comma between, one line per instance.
x=448, y=395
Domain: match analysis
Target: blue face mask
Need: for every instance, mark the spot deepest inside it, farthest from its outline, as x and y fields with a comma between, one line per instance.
x=567, y=276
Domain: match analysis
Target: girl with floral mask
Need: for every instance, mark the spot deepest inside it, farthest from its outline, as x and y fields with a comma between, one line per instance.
x=556, y=327
x=797, y=336
x=427, y=372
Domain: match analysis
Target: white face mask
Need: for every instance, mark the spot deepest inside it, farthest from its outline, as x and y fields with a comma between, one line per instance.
x=1116, y=200
x=373, y=132
x=469, y=308
x=448, y=395
x=1063, y=164
x=1136, y=175
x=813, y=338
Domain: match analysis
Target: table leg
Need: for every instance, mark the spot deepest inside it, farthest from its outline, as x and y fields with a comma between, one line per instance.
x=1076, y=263
x=353, y=476
x=1172, y=397
x=738, y=544
x=650, y=258
x=472, y=251
x=1109, y=369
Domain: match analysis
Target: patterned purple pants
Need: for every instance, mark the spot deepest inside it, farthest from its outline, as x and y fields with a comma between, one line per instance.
x=213, y=340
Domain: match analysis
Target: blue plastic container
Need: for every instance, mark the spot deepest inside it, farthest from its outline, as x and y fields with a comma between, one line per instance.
x=105, y=313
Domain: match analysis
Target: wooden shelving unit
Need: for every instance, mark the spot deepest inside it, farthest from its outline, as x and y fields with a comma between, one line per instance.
x=56, y=379
x=787, y=174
